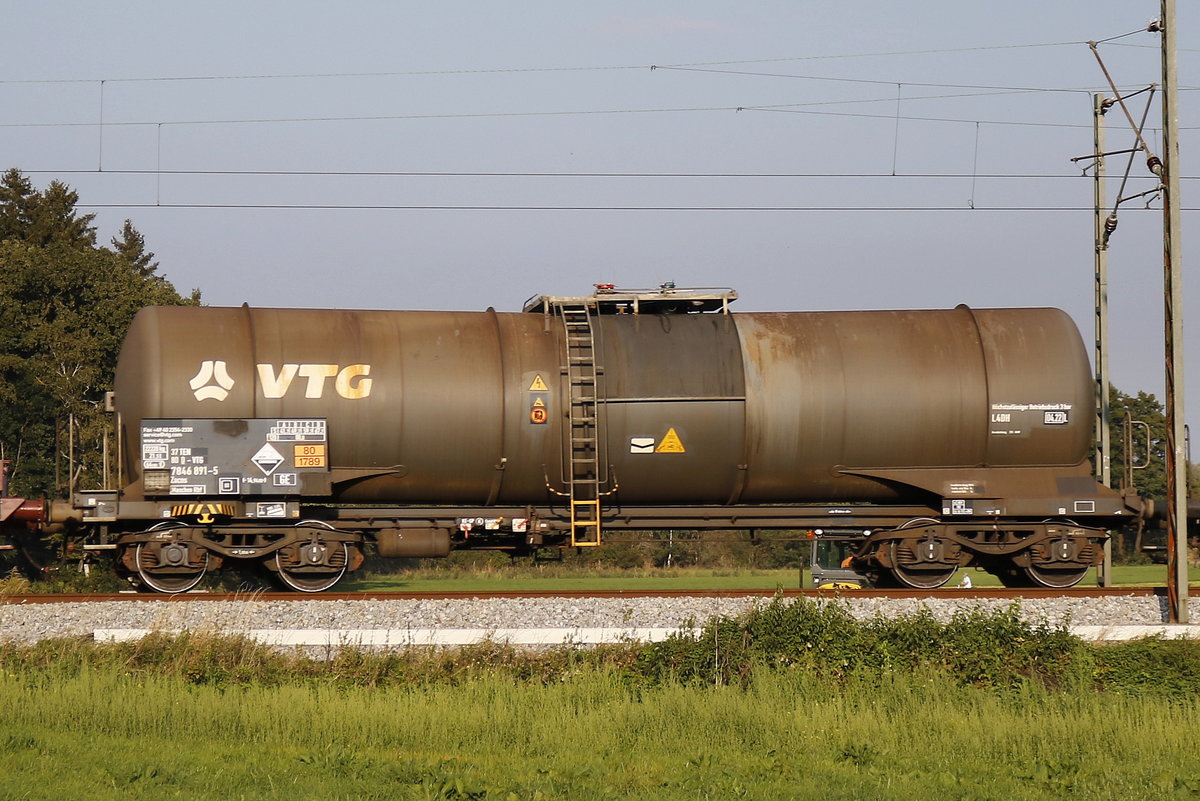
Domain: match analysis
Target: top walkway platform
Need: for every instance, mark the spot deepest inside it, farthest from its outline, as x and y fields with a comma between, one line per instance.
x=666, y=299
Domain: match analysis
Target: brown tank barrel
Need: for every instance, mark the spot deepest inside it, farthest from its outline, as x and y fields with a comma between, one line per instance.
x=877, y=389
x=1156, y=512
x=22, y=510
x=471, y=407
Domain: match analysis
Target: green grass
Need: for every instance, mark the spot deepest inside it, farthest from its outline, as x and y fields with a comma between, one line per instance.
x=584, y=579
x=797, y=701
x=106, y=736
x=1123, y=576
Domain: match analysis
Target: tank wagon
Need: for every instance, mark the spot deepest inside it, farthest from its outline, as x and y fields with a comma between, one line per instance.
x=294, y=438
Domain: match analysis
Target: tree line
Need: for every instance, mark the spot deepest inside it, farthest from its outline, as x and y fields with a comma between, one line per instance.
x=65, y=305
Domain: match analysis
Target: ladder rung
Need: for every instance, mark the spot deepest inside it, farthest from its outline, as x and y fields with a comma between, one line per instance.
x=585, y=517
x=582, y=373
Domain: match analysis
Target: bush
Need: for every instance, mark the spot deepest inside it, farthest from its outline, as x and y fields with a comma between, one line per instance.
x=1150, y=667
x=822, y=639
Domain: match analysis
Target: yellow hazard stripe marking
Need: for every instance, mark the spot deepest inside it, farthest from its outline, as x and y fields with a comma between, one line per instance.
x=188, y=509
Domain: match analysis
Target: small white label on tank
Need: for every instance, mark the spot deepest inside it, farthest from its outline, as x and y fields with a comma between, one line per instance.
x=641, y=444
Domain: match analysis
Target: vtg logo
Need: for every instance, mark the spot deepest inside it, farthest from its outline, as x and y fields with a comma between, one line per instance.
x=350, y=382
x=210, y=371
x=213, y=381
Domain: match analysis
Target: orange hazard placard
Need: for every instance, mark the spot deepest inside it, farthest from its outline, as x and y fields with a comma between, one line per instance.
x=309, y=455
x=538, y=415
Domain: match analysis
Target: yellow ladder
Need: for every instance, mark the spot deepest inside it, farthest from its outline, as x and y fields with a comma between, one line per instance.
x=585, y=522
x=583, y=448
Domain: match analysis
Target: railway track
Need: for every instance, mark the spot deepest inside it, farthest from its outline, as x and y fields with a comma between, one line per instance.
x=397, y=595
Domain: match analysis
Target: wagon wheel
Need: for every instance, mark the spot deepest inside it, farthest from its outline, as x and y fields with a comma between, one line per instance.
x=312, y=566
x=169, y=567
x=1056, y=577
x=916, y=563
x=1058, y=564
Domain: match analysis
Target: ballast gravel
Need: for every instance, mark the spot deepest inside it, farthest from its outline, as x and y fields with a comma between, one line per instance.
x=28, y=623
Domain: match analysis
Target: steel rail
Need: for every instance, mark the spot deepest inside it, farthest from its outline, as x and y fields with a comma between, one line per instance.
x=468, y=595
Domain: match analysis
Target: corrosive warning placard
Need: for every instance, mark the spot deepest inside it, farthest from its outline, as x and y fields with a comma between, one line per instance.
x=670, y=443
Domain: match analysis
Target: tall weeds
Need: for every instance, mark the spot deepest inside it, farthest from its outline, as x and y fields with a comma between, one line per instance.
x=817, y=643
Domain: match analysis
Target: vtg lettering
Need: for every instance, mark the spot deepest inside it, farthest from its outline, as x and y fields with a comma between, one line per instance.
x=351, y=382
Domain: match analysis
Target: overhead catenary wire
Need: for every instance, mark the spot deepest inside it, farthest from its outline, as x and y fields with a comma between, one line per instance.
x=526, y=174
x=882, y=82
x=582, y=208
x=808, y=108
x=709, y=67
x=796, y=108
x=706, y=66
x=520, y=70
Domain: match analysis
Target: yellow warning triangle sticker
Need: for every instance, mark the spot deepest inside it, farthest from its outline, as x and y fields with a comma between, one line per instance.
x=538, y=402
x=671, y=443
x=538, y=384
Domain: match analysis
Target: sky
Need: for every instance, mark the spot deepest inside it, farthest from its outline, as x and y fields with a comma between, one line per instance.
x=461, y=155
